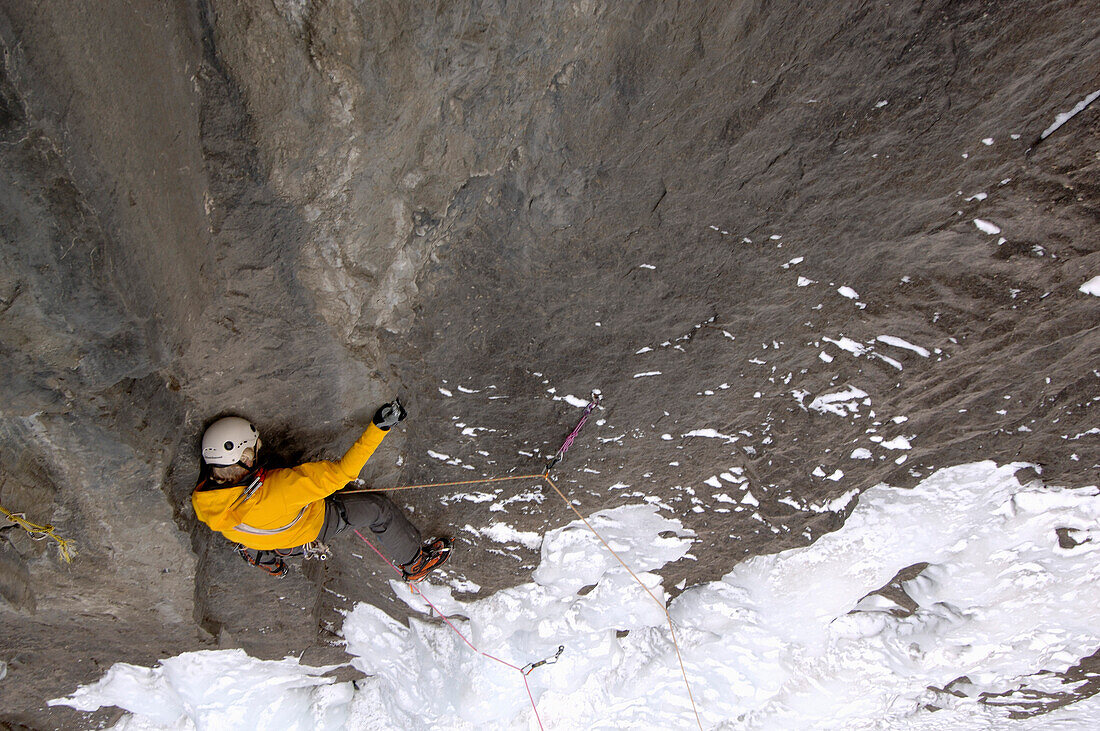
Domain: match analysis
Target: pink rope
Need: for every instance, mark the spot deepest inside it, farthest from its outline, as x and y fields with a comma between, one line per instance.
x=560, y=454
x=416, y=590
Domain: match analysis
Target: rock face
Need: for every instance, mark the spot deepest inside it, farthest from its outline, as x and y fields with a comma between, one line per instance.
x=761, y=229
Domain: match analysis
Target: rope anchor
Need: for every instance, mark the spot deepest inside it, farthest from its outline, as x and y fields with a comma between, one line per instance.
x=526, y=669
x=65, y=546
x=560, y=454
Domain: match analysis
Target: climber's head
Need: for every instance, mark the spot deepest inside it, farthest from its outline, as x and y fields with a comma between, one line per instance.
x=230, y=442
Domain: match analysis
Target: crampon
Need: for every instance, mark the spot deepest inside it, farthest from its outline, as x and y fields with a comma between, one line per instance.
x=432, y=555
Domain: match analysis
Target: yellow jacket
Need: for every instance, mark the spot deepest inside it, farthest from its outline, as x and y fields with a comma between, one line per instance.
x=288, y=508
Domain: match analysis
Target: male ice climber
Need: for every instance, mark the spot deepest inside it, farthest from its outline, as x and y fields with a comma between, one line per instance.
x=292, y=510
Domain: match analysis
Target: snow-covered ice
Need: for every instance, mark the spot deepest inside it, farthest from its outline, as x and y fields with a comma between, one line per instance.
x=1091, y=287
x=848, y=344
x=986, y=226
x=504, y=533
x=219, y=689
x=899, y=343
x=842, y=403
x=711, y=434
x=848, y=292
x=858, y=350
x=1064, y=117
x=784, y=641
x=895, y=443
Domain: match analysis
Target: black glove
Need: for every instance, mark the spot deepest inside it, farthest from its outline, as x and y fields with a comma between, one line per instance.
x=388, y=415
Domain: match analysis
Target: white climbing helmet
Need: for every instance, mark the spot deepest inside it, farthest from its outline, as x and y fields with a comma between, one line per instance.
x=226, y=439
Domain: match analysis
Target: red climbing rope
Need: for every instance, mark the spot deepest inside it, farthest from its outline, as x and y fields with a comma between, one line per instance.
x=416, y=590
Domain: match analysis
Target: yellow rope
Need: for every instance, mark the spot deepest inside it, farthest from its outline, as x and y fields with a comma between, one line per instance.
x=442, y=484
x=546, y=476
x=37, y=532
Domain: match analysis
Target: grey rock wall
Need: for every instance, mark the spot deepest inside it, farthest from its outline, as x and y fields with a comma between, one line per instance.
x=103, y=239
x=295, y=210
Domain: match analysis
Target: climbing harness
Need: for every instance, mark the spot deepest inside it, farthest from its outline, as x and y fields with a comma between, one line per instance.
x=65, y=546
x=274, y=565
x=526, y=669
x=560, y=454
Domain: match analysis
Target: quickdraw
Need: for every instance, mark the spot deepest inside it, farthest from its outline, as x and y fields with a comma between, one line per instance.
x=560, y=454
x=526, y=669
x=256, y=484
x=316, y=550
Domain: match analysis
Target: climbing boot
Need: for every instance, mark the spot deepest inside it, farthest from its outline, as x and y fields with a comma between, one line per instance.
x=432, y=555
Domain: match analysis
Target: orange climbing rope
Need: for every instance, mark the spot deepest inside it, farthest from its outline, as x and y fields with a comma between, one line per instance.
x=442, y=484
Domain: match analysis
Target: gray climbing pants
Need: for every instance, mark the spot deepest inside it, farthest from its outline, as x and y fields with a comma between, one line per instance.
x=377, y=518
